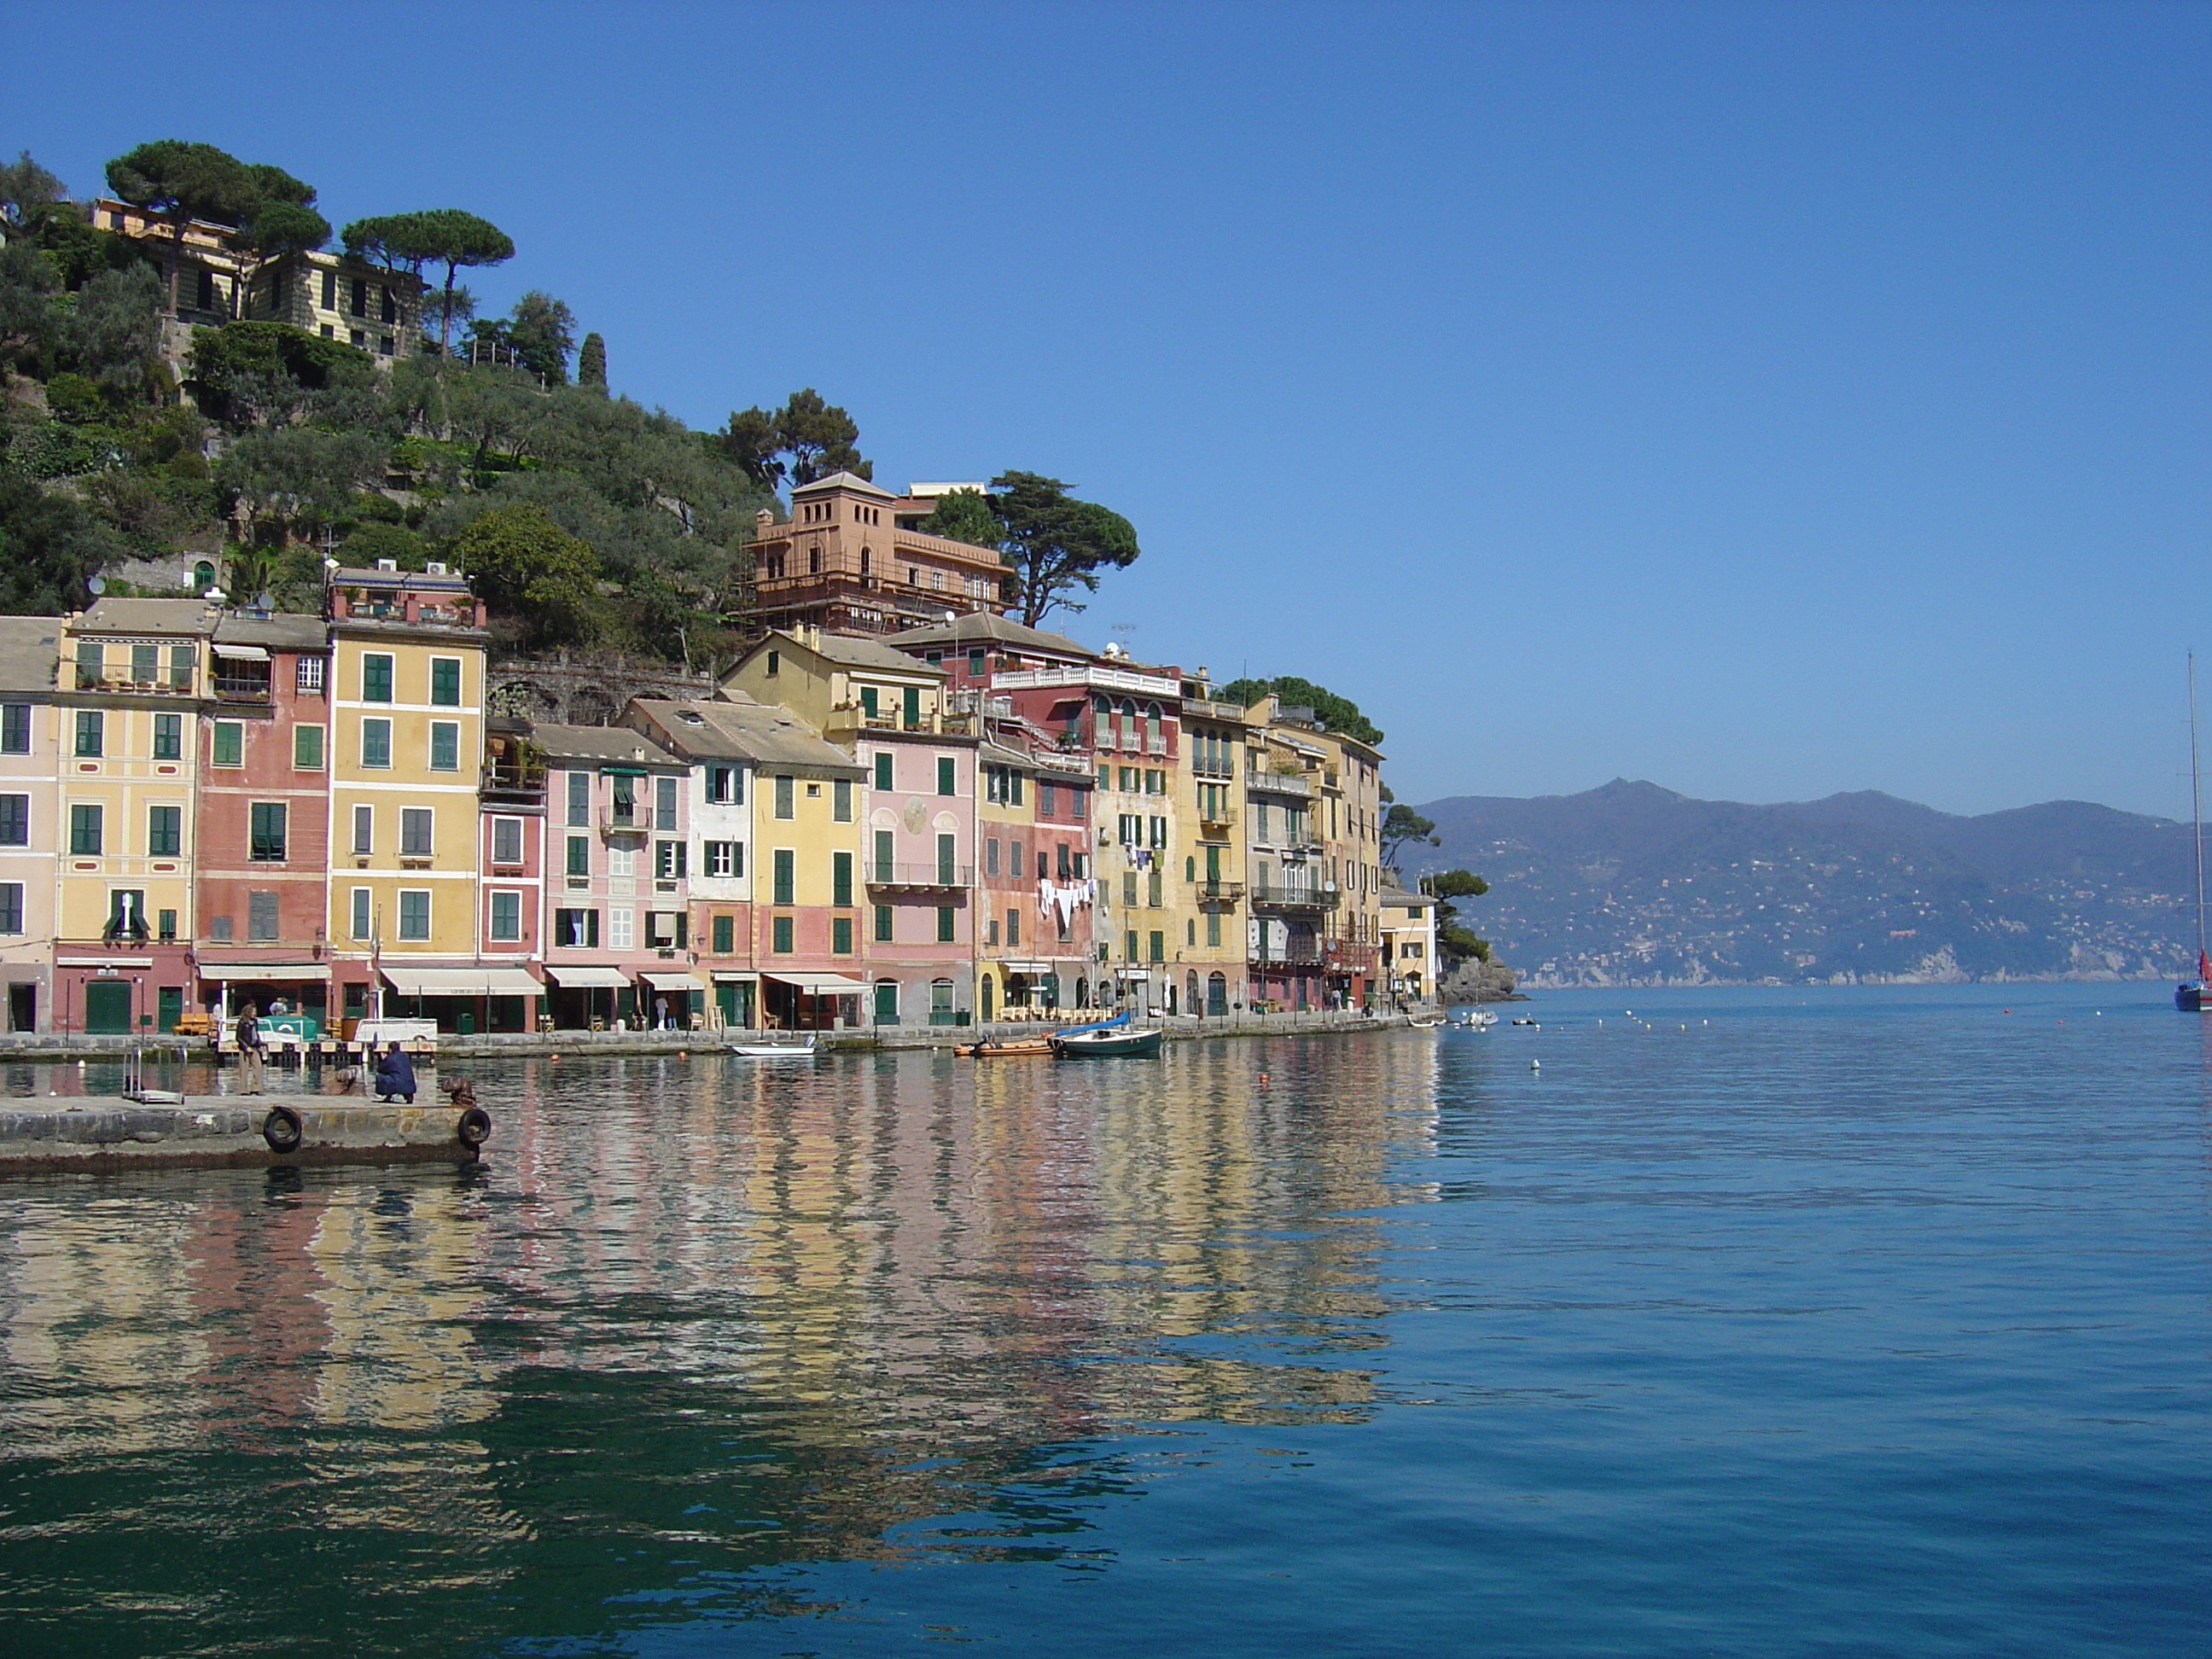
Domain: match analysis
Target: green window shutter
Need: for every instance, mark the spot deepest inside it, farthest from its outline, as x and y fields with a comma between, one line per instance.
x=445, y=746
x=883, y=845
x=229, y=743
x=883, y=771
x=910, y=699
x=375, y=743
x=780, y=934
x=840, y=801
x=945, y=924
x=945, y=775
x=785, y=876
x=580, y=855
x=841, y=878
x=446, y=683
x=726, y=935
x=946, y=846
x=307, y=748
x=840, y=936
x=883, y=924
x=375, y=679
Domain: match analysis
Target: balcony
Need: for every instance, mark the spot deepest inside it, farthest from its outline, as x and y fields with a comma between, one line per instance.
x=1294, y=953
x=1207, y=894
x=637, y=821
x=1345, y=958
x=1217, y=824
x=1295, y=899
x=1281, y=783
x=507, y=785
x=920, y=878
x=241, y=687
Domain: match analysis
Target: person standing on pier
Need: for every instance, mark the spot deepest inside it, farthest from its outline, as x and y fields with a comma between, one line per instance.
x=249, y=1049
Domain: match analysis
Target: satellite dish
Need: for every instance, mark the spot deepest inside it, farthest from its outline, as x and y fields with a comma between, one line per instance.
x=98, y=584
x=262, y=601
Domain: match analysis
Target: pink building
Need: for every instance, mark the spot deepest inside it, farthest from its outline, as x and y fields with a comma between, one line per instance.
x=920, y=812
x=511, y=899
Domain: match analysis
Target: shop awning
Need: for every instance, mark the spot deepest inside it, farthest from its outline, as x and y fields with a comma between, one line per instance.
x=1131, y=974
x=730, y=976
x=588, y=979
x=238, y=972
x=1027, y=967
x=242, y=652
x=461, y=981
x=820, y=984
x=674, y=981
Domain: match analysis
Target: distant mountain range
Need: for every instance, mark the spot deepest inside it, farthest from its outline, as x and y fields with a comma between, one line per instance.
x=1634, y=884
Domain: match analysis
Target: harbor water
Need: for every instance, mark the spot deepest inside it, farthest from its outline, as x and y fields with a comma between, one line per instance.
x=1767, y=1322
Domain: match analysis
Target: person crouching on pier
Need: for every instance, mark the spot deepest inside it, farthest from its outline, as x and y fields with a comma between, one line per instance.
x=249, y=1049
x=395, y=1075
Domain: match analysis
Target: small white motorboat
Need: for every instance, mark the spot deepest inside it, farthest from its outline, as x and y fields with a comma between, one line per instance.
x=1479, y=1019
x=776, y=1050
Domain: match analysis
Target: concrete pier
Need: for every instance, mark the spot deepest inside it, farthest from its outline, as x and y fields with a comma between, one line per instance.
x=108, y=1134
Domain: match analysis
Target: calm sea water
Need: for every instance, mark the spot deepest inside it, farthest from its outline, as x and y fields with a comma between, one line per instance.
x=1760, y=1323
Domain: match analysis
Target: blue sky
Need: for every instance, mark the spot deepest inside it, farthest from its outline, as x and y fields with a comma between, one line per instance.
x=1765, y=400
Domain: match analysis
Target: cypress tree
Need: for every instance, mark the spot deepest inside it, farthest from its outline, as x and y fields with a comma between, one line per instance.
x=592, y=362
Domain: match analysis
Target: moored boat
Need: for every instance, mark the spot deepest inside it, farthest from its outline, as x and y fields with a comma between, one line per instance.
x=1107, y=1044
x=776, y=1050
x=2195, y=996
x=1005, y=1049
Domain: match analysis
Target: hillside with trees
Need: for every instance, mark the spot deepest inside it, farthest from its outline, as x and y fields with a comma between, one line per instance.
x=602, y=522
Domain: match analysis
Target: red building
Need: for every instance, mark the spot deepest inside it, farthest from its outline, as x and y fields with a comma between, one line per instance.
x=263, y=829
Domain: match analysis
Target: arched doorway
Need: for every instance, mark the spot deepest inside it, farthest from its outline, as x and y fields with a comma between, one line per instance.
x=1190, y=1002
x=989, y=988
x=1216, y=995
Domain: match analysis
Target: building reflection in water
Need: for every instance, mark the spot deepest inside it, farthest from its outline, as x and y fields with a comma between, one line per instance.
x=736, y=1314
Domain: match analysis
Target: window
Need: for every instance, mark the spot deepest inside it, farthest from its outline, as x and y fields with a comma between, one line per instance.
x=1015, y=867
x=784, y=808
x=991, y=856
x=261, y=917
x=267, y=838
x=1155, y=782
x=445, y=746
x=624, y=790
x=1128, y=889
x=15, y=728
x=91, y=663
x=1152, y=888
x=416, y=828
x=774, y=663
x=84, y=831
x=168, y=737
x=1159, y=828
x=723, y=788
x=975, y=662
x=780, y=936
x=15, y=820
x=164, y=832
x=840, y=936
x=361, y=913
x=946, y=846
x=945, y=775
x=1159, y=941
x=670, y=859
x=621, y=861
x=785, y=859
x=307, y=676
x=1131, y=942
x=664, y=803
x=580, y=855
x=577, y=929
x=91, y=731
x=664, y=929
x=360, y=299
x=506, y=917
x=330, y=290
x=883, y=845
x=11, y=907
x=507, y=841
x=145, y=664
x=364, y=829
x=910, y=705
x=1013, y=926
x=724, y=858
x=883, y=924
x=724, y=933
x=622, y=926
x=841, y=878
x=376, y=678
x=945, y=924
x=1060, y=850
x=868, y=708
x=840, y=801
x=375, y=743
x=579, y=798
x=1213, y=927
x=883, y=771
x=414, y=913
x=941, y=1001
x=1045, y=807
x=165, y=924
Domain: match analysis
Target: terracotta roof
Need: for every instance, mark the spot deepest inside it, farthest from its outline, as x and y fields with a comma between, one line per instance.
x=982, y=625
x=845, y=481
x=147, y=616
x=610, y=744
x=280, y=633
x=758, y=731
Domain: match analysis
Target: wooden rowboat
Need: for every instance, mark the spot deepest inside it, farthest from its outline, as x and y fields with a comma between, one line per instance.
x=1012, y=1049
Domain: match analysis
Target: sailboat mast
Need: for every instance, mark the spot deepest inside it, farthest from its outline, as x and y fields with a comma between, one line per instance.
x=2196, y=807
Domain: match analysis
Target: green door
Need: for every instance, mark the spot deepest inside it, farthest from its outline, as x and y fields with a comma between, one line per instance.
x=886, y=1002
x=106, y=1005
x=726, y=998
x=171, y=1008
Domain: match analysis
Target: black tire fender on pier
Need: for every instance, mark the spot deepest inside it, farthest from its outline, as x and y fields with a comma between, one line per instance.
x=283, y=1129
x=474, y=1128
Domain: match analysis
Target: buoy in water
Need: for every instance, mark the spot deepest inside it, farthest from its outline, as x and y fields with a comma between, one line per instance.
x=1535, y=1065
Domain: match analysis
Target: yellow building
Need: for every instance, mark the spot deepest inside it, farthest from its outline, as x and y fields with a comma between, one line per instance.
x=1212, y=750
x=406, y=753
x=133, y=673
